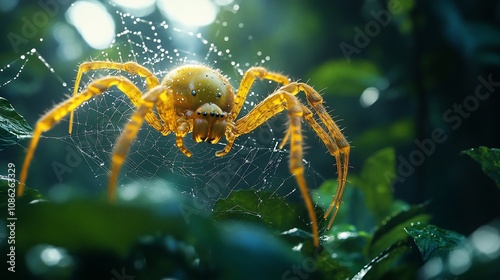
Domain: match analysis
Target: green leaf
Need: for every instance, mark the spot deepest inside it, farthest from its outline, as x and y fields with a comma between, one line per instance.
x=261, y=207
x=324, y=194
x=433, y=241
x=375, y=182
x=13, y=127
x=393, y=228
x=489, y=158
x=393, y=134
x=384, y=262
x=476, y=257
x=150, y=227
x=346, y=78
x=95, y=224
x=345, y=244
x=250, y=252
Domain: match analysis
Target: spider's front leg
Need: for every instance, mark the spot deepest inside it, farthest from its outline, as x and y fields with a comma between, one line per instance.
x=54, y=116
x=231, y=135
x=181, y=131
x=130, y=67
x=243, y=90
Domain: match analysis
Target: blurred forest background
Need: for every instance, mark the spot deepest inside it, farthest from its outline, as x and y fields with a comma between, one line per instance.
x=396, y=73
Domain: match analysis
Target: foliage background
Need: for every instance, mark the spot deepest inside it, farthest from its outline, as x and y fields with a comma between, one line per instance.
x=427, y=59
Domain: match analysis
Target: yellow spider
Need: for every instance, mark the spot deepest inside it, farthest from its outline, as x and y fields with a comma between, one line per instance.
x=198, y=99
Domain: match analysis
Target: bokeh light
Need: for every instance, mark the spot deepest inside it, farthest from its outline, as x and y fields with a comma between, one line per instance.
x=93, y=22
x=369, y=96
x=190, y=13
x=137, y=8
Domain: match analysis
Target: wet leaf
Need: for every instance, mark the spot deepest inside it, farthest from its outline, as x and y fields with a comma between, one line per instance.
x=489, y=158
x=13, y=127
x=261, y=207
x=384, y=262
x=433, y=241
x=393, y=228
x=476, y=257
x=346, y=244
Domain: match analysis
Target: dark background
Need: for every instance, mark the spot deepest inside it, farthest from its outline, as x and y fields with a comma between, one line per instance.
x=425, y=61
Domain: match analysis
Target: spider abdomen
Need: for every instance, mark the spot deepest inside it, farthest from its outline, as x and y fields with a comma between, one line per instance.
x=203, y=95
x=195, y=85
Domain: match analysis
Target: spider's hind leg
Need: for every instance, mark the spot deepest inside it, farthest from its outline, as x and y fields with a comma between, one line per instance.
x=334, y=140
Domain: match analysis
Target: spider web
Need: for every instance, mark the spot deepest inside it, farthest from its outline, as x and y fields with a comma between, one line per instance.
x=255, y=161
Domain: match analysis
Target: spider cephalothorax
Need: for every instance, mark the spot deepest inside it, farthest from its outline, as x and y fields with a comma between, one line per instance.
x=199, y=100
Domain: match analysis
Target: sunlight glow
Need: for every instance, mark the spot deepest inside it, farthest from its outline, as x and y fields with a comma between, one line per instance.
x=191, y=13
x=93, y=22
x=223, y=2
x=137, y=8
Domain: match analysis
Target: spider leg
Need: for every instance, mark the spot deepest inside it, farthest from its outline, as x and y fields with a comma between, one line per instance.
x=333, y=149
x=130, y=67
x=271, y=106
x=51, y=118
x=245, y=85
x=340, y=150
x=247, y=82
x=130, y=133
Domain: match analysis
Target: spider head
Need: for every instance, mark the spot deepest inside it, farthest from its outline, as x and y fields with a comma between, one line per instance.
x=209, y=123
